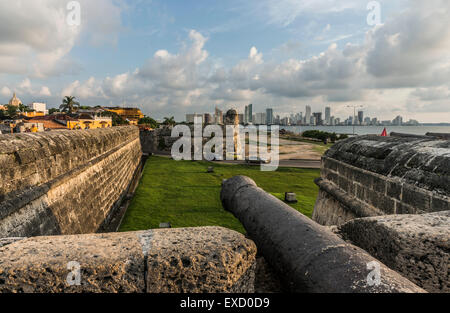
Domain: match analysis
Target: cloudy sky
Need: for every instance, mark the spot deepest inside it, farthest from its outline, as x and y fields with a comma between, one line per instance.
x=173, y=57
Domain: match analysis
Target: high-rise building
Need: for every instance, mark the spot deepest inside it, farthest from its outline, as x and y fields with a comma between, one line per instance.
x=328, y=115
x=332, y=121
x=398, y=121
x=248, y=118
x=276, y=120
x=218, y=116
x=260, y=119
x=269, y=116
x=307, y=114
x=318, y=118
x=360, y=117
x=207, y=119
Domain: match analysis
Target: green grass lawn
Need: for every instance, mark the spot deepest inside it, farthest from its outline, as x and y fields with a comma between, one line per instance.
x=185, y=195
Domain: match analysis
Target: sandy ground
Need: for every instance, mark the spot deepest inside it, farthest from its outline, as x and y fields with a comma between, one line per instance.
x=297, y=150
x=293, y=150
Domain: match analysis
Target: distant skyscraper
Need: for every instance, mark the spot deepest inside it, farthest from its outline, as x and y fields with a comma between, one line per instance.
x=398, y=121
x=260, y=119
x=308, y=114
x=248, y=116
x=318, y=118
x=269, y=116
x=241, y=118
x=360, y=117
x=208, y=119
x=218, y=116
x=327, y=115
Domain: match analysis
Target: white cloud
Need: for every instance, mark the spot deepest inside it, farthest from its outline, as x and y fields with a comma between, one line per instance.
x=5, y=91
x=45, y=91
x=35, y=38
x=403, y=65
x=285, y=12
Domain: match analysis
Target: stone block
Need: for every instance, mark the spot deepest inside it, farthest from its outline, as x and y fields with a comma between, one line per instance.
x=394, y=189
x=417, y=246
x=402, y=208
x=379, y=184
x=198, y=260
x=107, y=263
x=417, y=198
x=440, y=204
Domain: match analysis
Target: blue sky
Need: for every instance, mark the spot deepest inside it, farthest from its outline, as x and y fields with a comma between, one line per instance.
x=177, y=57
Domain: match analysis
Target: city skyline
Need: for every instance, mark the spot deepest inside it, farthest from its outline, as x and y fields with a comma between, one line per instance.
x=285, y=54
x=306, y=118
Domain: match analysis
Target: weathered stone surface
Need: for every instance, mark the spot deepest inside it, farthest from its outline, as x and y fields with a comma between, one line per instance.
x=204, y=259
x=76, y=187
x=420, y=161
x=307, y=256
x=329, y=211
x=197, y=260
x=8, y=241
x=108, y=263
x=334, y=206
x=385, y=175
x=418, y=246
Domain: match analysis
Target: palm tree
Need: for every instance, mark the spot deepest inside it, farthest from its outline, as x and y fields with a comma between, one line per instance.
x=170, y=121
x=69, y=104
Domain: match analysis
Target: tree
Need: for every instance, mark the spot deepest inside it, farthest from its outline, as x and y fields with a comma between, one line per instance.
x=12, y=111
x=169, y=121
x=69, y=104
x=148, y=121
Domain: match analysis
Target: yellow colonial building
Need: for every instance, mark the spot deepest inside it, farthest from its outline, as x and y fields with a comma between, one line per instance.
x=133, y=115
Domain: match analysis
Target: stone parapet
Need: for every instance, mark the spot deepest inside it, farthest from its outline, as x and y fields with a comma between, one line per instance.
x=393, y=175
x=417, y=246
x=195, y=260
x=66, y=182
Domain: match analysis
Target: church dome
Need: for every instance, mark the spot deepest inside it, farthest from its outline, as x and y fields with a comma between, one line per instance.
x=231, y=117
x=15, y=101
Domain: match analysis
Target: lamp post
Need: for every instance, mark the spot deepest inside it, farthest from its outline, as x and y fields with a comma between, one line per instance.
x=354, y=114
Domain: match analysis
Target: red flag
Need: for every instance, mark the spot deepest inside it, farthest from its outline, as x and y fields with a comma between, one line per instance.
x=384, y=133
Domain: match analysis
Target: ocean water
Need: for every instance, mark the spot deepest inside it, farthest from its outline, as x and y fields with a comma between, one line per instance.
x=371, y=130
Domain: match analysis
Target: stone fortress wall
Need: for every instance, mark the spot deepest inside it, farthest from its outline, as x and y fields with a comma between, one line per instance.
x=192, y=260
x=66, y=182
x=391, y=197
x=71, y=183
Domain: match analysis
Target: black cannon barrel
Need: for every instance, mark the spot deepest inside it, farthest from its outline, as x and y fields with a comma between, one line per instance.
x=307, y=256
